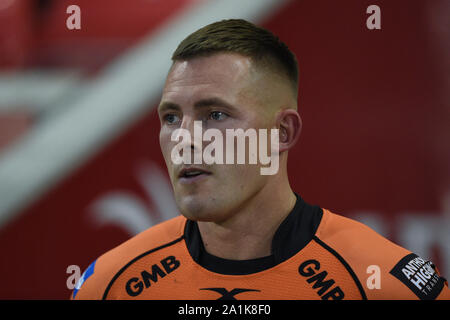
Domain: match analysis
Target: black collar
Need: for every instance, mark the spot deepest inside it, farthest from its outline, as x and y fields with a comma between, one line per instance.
x=294, y=233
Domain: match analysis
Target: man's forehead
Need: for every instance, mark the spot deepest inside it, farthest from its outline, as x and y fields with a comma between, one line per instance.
x=220, y=67
x=229, y=76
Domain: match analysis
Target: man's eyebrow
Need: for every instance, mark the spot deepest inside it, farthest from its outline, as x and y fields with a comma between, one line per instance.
x=213, y=102
x=166, y=105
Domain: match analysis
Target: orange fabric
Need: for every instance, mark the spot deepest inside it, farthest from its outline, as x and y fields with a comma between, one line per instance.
x=362, y=247
x=157, y=265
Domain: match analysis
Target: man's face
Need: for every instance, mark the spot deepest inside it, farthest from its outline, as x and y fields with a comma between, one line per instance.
x=224, y=92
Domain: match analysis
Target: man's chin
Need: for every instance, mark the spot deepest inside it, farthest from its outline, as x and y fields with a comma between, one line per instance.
x=197, y=207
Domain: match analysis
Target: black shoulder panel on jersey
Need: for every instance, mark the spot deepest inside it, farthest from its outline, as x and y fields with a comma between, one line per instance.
x=117, y=275
x=345, y=264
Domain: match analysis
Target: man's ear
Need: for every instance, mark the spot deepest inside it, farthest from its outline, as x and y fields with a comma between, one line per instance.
x=289, y=123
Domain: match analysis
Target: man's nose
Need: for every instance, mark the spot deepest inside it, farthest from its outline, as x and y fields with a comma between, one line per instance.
x=187, y=123
x=195, y=129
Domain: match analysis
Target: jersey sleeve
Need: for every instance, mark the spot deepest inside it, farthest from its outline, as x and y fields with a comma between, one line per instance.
x=420, y=276
x=96, y=278
x=384, y=269
x=102, y=272
x=92, y=283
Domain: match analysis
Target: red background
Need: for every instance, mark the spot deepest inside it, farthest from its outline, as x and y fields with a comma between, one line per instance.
x=375, y=126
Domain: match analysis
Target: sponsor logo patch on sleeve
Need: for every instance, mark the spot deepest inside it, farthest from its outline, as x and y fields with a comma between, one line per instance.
x=419, y=275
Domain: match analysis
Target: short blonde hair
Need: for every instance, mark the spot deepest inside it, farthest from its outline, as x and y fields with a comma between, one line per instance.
x=241, y=37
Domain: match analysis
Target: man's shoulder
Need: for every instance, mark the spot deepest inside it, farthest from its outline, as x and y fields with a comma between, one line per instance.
x=349, y=235
x=384, y=269
x=99, y=274
x=156, y=236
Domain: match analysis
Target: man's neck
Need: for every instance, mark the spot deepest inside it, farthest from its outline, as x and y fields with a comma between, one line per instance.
x=248, y=234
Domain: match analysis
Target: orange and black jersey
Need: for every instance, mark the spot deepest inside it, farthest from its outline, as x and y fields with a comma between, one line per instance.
x=316, y=254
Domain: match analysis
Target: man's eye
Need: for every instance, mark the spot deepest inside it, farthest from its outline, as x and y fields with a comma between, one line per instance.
x=218, y=115
x=170, y=118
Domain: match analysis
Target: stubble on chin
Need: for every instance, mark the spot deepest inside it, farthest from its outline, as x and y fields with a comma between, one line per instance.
x=199, y=208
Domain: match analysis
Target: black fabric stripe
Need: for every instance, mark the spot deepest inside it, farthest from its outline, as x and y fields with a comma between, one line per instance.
x=117, y=275
x=345, y=264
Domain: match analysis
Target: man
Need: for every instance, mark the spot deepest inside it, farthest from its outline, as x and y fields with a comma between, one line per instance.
x=243, y=234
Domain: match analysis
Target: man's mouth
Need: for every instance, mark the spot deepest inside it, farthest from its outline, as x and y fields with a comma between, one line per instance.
x=192, y=174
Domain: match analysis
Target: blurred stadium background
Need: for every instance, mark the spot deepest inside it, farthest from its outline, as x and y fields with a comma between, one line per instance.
x=80, y=164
